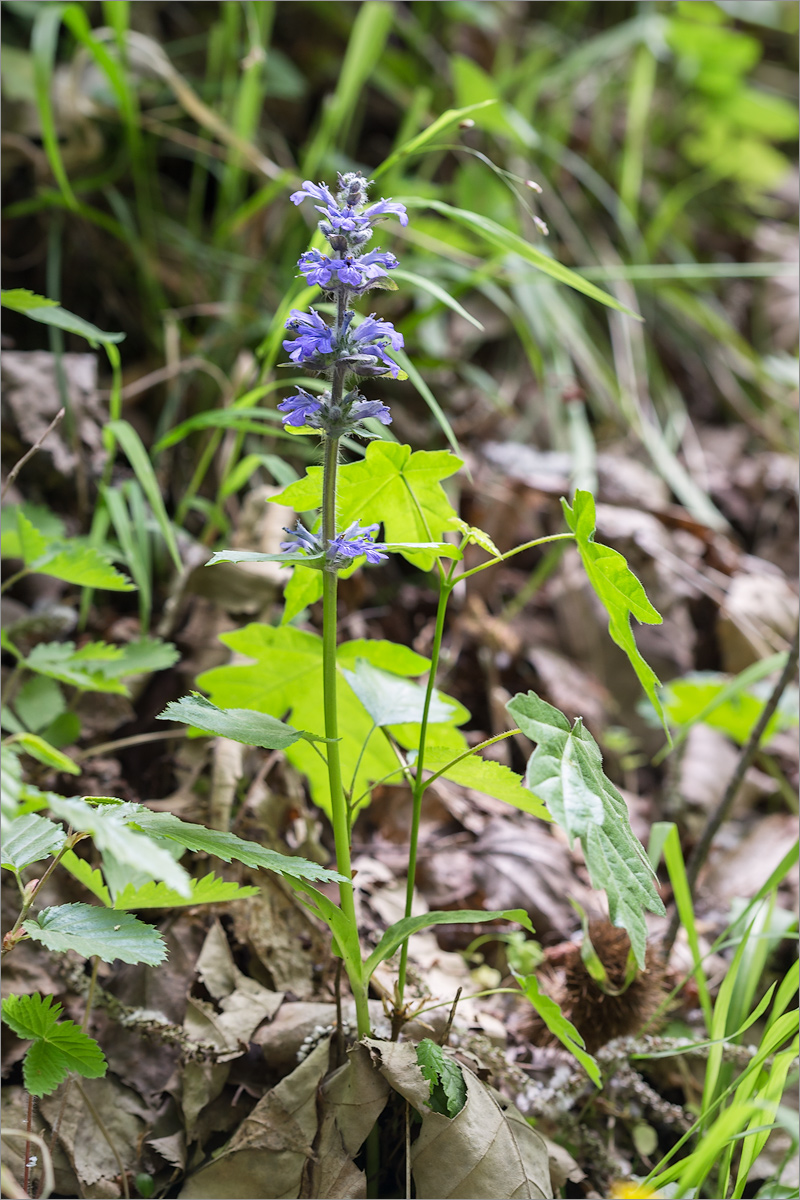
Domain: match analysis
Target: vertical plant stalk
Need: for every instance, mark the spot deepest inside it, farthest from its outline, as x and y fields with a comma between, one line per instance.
x=419, y=782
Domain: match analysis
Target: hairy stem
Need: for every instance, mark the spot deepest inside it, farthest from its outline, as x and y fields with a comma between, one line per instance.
x=339, y=812
x=419, y=783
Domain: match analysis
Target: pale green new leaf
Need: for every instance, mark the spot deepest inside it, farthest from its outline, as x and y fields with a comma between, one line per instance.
x=89, y=929
x=29, y=839
x=392, y=700
x=566, y=772
x=287, y=675
x=72, y=562
x=50, y=312
x=389, y=485
x=485, y=775
x=398, y=933
x=43, y=752
x=448, y=1089
x=38, y=702
x=89, y=876
x=240, y=724
x=98, y=666
x=59, y=1047
x=620, y=592
x=227, y=846
x=558, y=1025
x=109, y=826
x=208, y=890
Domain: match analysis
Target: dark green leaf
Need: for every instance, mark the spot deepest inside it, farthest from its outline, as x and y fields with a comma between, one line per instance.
x=240, y=724
x=29, y=839
x=59, y=1047
x=105, y=932
x=566, y=772
x=448, y=1089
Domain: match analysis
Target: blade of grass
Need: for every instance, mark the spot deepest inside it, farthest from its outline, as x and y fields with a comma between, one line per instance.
x=133, y=448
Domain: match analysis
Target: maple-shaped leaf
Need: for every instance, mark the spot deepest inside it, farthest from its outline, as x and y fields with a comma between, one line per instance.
x=618, y=589
x=287, y=675
x=389, y=485
x=59, y=1047
x=566, y=772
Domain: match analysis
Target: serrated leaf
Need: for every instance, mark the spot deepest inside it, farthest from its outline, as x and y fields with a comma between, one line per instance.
x=109, y=827
x=227, y=846
x=208, y=890
x=240, y=724
x=29, y=839
x=448, y=1089
x=145, y=655
x=389, y=485
x=23, y=299
x=566, y=772
x=90, y=930
x=60, y=660
x=487, y=776
x=287, y=675
x=558, y=1025
x=91, y=877
x=401, y=930
x=58, y=1047
x=478, y=537
x=392, y=700
x=46, y=522
x=43, y=752
x=73, y=562
x=618, y=589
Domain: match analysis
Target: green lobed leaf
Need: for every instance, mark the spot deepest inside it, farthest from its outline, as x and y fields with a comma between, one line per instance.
x=448, y=1089
x=396, y=934
x=59, y=1047
x=240, y=724
x=109, y=826
x=558, y=1025
x=89, y=929
x=287, y=675
x=392, y=700
x=45, y=521
x=208, y=890
x=566, y=772
x=485, y=775
x=620, y=592
x=389, y=485
x=73, y=562
x=29, y=839
x=303, y=589
x=227, y=846
x=38, y=702
x=43, y=752
x=98, y=666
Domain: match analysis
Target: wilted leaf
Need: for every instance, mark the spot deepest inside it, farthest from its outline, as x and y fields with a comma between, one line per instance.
x=91, y=930
x=566, y=771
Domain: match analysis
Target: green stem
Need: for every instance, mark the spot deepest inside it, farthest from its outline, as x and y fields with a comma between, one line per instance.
x=419, y=783
x=339, y=812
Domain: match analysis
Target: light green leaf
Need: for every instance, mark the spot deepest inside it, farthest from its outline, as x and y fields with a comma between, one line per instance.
x=208, y=890
x=74, y=562
x=142, y=657
x=566, y=772
x=109, y=827
x=49, y=312
x=558, y=1025
x=286, y=559
x=89, y=876
x=287, y=675
x=727, y=704
x=302, y=590
x=59, y=1047
x=448, y=1089
x=505, y=239
x=139, y=459
x=392, y=700
x=43, y=752
x=90, y=930
x=401, y=930
x=239, y=724
x=389, y=485
x=227, y=846
x=98, y=666
x=617, y=587
x=439, y=293
x=445, y=121
x=38, y=702
x=485, y=775
x=38, y=515
x=29, y=839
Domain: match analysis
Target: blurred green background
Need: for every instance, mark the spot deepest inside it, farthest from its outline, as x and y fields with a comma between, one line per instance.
x=149, y=150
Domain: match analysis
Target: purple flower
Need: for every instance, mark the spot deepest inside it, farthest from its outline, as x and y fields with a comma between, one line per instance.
x=372, y=328
x=314, y=191
x=348, y=271
x=299, y=408
x=369, y=344
x=303, y=540
x=314, y=337
x=385, y=208
x=356, y=541
x=370, y=408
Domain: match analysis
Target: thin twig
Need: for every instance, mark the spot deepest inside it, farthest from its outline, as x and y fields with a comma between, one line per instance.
x=138, y=739
x=107, y=1136
x=449, y=1025
x=722, y=810
x=37, y=445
